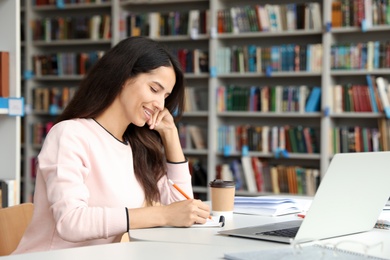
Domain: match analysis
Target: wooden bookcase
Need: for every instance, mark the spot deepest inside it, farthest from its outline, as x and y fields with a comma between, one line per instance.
x=211, y=118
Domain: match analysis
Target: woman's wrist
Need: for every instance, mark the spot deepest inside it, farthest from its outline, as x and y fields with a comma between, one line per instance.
x=172, y=146
x=169, y=134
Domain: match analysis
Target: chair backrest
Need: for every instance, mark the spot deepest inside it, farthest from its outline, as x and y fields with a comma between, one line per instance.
x=13, y=223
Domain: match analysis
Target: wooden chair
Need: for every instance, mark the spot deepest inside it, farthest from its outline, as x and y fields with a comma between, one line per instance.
x=13, y=222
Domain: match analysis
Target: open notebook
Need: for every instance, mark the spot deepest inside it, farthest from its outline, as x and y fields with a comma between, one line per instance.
x=349, y=200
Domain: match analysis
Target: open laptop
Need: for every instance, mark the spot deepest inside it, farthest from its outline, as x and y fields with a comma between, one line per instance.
x=349, y=200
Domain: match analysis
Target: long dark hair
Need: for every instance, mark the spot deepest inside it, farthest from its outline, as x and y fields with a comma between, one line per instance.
x=102, y=84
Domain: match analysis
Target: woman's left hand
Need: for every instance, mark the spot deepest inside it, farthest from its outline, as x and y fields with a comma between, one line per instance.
x=161, y=121
x=164, y=124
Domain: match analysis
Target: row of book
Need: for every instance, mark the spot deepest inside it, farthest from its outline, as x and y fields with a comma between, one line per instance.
x=193, y=61
x=373, y=97
x=267, y=139
x=270, y=17
x=363, y=55
x=39, y=130
x=57, y=98
x=156, y=24
x=347, y=13
x=65, y=63
x=345, y=139
x=92, y=27
x=355, y=139
x=192, y=136
x=196, y=99
x=276, y=99
x=60, y=2
x=285, y=57
x=52, y=100
x=255, y=175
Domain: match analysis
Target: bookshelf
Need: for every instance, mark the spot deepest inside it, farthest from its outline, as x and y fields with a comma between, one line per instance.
x=357, y=128
x=326, y=119
x=264, y=78
x=59, y=47
x=10, y=125
x=272, y=79
x=187, y=44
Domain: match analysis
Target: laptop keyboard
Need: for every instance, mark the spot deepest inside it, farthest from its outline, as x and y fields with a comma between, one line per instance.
x=287, y=232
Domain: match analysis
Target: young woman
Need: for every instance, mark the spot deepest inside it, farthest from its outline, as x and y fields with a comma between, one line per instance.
x=105, y=166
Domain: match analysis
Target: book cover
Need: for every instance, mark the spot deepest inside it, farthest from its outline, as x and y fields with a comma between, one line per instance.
x=274, y=180
x=197, y=136
x=316, y=16
x=376, y=94
x=4, y=74
x=265, y=139
x=273, y=23
x=291, y=16
x=383, y=93
x=263, y=18
x=337, y=16
x=237, y=170
x=308, y=141
x=292, y=140
x=258, y=172
x=249, y=174
x=313, y=103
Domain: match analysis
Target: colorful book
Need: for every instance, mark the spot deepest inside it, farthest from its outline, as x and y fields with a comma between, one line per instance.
x=314, y=100
x=374, y=105
x=383, y=88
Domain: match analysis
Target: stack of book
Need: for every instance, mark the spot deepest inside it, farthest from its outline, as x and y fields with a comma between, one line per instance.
x=267, y=205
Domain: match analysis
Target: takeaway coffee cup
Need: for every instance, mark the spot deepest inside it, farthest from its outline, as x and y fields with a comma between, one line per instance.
x=222, y=197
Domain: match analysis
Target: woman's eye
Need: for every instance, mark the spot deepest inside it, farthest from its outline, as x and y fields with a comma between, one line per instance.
x=153, y=89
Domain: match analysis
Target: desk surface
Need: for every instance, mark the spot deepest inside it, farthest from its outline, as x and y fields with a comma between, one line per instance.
x=200, y=243
x=146, y=250
x=210, y=236
x=133, y=250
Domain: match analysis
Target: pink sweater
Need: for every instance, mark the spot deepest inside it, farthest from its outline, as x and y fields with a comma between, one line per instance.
x=85, y=179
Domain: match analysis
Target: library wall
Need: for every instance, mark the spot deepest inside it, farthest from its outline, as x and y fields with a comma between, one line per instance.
x=274, y=88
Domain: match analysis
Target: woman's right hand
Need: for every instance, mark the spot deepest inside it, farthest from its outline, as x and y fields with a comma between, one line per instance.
x=185, y=213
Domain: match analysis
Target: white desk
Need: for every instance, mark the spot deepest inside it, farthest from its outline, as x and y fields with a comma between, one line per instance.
x=210, y=236
x=195, y=243
x=128, y=251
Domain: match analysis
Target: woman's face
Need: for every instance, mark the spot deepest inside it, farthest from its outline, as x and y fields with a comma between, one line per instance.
x=145, y=94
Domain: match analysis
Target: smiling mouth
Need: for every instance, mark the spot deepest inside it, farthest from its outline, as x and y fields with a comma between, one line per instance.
x=148, y=113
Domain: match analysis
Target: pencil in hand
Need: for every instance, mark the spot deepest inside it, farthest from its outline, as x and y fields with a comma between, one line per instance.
x=180, y=190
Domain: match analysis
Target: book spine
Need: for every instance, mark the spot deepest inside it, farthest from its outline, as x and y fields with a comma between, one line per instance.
x=381, y=224
x=4, y=74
